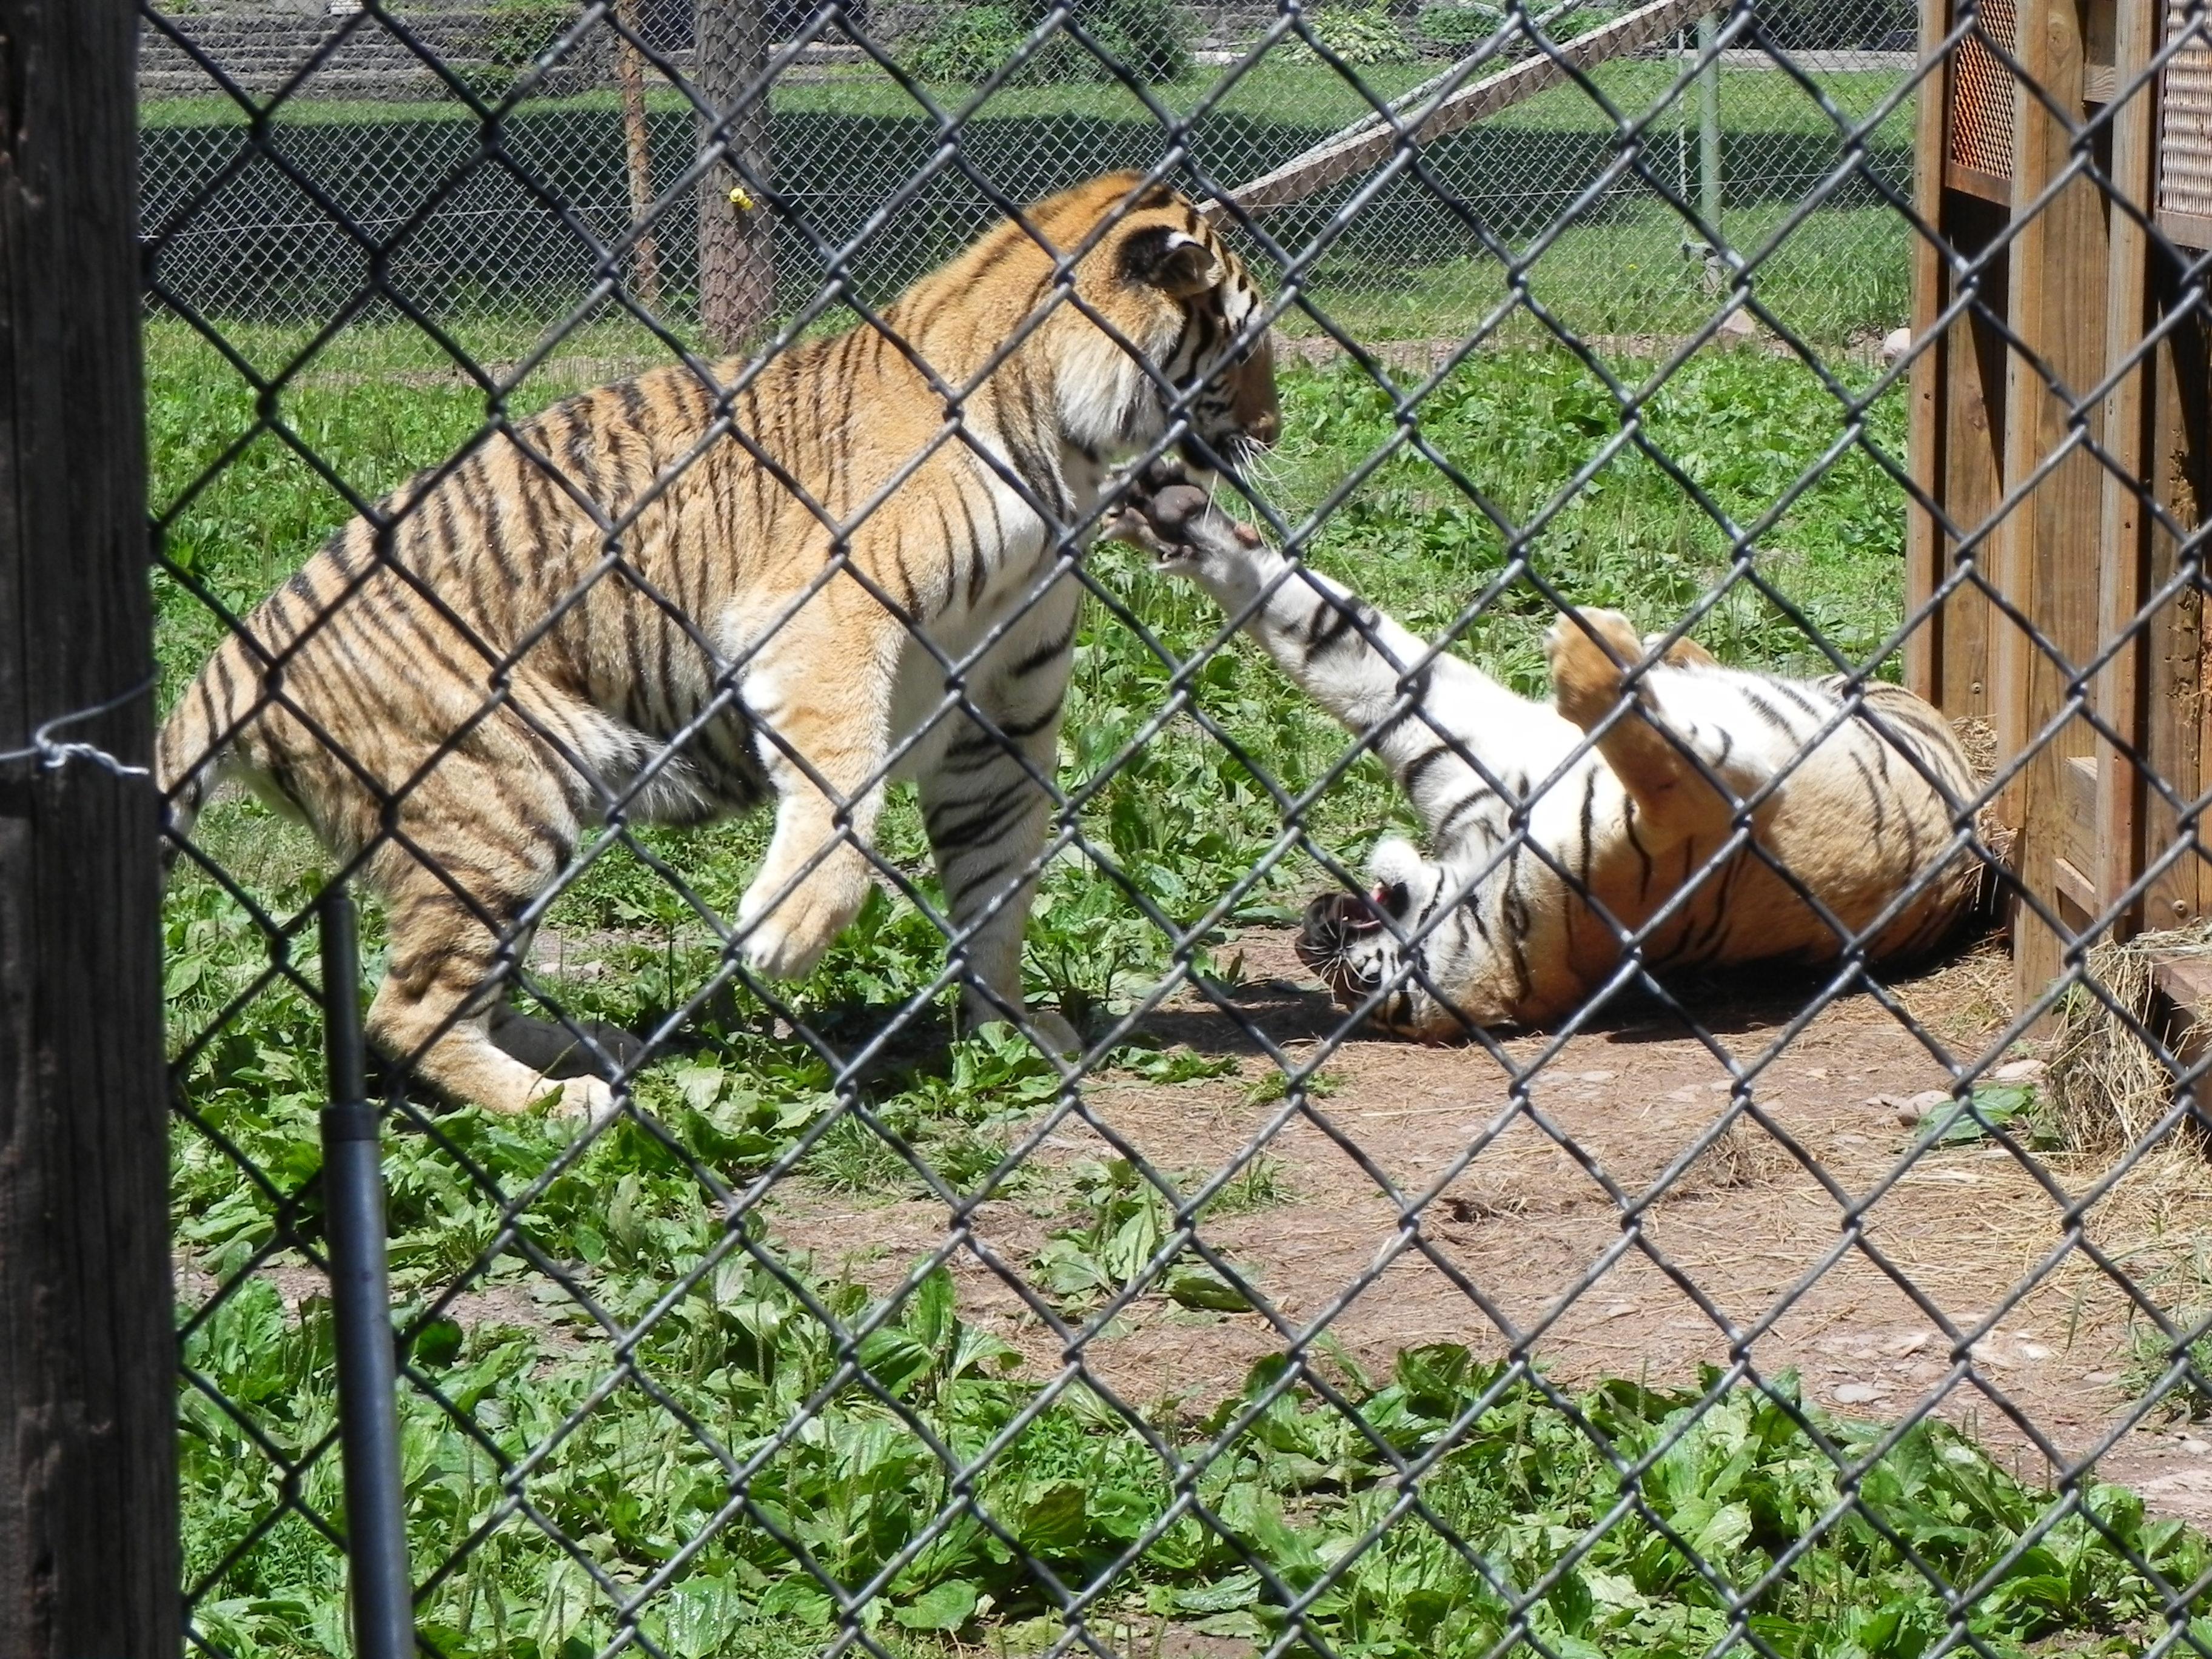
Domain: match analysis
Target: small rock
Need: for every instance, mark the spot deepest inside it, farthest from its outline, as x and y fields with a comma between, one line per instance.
x=2102, y=1377
x=1598, y=1076
x=1896, y=343
x=2018, y=1070
x=2033, y=1351
x=1913, y=1342
x=1857, y=1393
x=1740, y=324
x=1913, y=1107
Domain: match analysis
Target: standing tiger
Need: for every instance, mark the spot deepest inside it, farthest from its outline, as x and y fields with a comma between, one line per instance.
x=627, y=611
x=1494, y=929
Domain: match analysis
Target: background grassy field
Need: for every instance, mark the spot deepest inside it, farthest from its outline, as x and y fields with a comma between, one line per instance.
x=1314, y=90
x=581, y=1425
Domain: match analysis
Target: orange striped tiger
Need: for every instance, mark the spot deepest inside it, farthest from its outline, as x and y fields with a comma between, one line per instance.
x=629, y=611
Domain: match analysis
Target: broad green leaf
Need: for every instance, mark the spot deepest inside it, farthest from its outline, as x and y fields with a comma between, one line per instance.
x=942, y=1606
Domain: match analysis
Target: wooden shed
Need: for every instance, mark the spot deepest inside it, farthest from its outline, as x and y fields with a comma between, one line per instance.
x=2062, y=460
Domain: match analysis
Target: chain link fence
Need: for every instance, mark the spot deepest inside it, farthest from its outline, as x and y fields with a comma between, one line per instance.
x=381, y=127
x=1654, y=1305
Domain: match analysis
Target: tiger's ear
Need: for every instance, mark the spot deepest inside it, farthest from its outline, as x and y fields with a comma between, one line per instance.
x=1170, y=259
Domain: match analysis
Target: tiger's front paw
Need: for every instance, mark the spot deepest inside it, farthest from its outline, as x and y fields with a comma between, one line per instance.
x=786, y=941
x=1586, y=674
x=586, y=1099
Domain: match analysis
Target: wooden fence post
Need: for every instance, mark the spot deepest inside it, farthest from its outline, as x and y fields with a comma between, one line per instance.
x=637, y=159
x=737, y=238
x=88, y=1551
x=2043, y=555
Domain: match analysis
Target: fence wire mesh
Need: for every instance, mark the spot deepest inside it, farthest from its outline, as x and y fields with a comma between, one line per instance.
x=378, y=128
x=1070, y=1259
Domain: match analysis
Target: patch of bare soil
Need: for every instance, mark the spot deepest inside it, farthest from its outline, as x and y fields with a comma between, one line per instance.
x=1595, y=1222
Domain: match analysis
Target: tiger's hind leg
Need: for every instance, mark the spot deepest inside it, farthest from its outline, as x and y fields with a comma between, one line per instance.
x=986, y=818
x=475, y=854
x=1665, y=772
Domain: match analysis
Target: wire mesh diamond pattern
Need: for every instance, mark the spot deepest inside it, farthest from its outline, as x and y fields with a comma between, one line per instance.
x=1388, y=1134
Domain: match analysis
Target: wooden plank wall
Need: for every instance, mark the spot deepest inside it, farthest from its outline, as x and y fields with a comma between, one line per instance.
x=2077, y=553
x=2152, y=695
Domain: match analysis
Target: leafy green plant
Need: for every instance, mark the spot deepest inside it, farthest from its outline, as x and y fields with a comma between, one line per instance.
x=1259, y=1186
x=516, y=32
x=967, y=44
x=1149, y=38
x=1273, y=1086
x=1362, y=36
x=2016, y=1108
x=1458, y=28
x=1123, y=1221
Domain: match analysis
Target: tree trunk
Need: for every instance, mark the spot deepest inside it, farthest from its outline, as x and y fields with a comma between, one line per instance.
x=637, y=147
x=88, y=1555
x=736, y=236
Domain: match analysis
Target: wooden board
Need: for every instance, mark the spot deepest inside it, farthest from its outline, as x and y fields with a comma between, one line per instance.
x=89, y=1563
x=2118, y=784
x=2057, y=277
x=1369, y=141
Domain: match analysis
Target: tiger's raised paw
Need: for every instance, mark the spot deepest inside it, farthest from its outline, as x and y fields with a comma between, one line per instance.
x=1586, y=674
x=1684, y=653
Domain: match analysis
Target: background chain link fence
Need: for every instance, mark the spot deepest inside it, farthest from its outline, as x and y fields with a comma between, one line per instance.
x=379, y=126
x=1841, y=1312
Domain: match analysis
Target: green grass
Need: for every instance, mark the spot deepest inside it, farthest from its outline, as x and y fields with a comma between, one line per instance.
x=1307, y=93
x=1842, y=276
x=1073, y=1483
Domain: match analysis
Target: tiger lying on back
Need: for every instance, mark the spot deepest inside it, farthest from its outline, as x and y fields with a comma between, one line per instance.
x=379, y=725
x=1495, y=928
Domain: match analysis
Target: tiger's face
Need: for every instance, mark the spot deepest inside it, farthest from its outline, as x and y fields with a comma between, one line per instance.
x=1358, y=943
x=1163, y=279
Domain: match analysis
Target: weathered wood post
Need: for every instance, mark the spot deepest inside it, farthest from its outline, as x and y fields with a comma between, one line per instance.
x=88, y=1552
x=637, y=159
x=737, y=238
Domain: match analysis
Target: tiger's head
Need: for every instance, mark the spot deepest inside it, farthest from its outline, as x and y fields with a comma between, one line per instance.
x=1159, y=276
x=1358, y=943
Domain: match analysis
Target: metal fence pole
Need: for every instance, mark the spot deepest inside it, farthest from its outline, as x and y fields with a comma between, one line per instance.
x=361, y=1304
x=1708, y=128
x=89, y=1547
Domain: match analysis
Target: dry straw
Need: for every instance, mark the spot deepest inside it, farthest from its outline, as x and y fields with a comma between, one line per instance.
x=2107, y=1087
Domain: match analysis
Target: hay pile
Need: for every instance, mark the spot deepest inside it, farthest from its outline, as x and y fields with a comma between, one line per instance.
x=2107, y=1087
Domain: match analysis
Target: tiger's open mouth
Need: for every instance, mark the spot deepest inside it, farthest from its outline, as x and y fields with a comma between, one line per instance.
x=1333, y=923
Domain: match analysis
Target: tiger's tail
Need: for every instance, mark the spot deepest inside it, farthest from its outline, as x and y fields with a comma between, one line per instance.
x=197, y=746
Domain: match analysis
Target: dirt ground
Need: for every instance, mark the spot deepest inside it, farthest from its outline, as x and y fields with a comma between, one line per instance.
x=1718, y=1258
